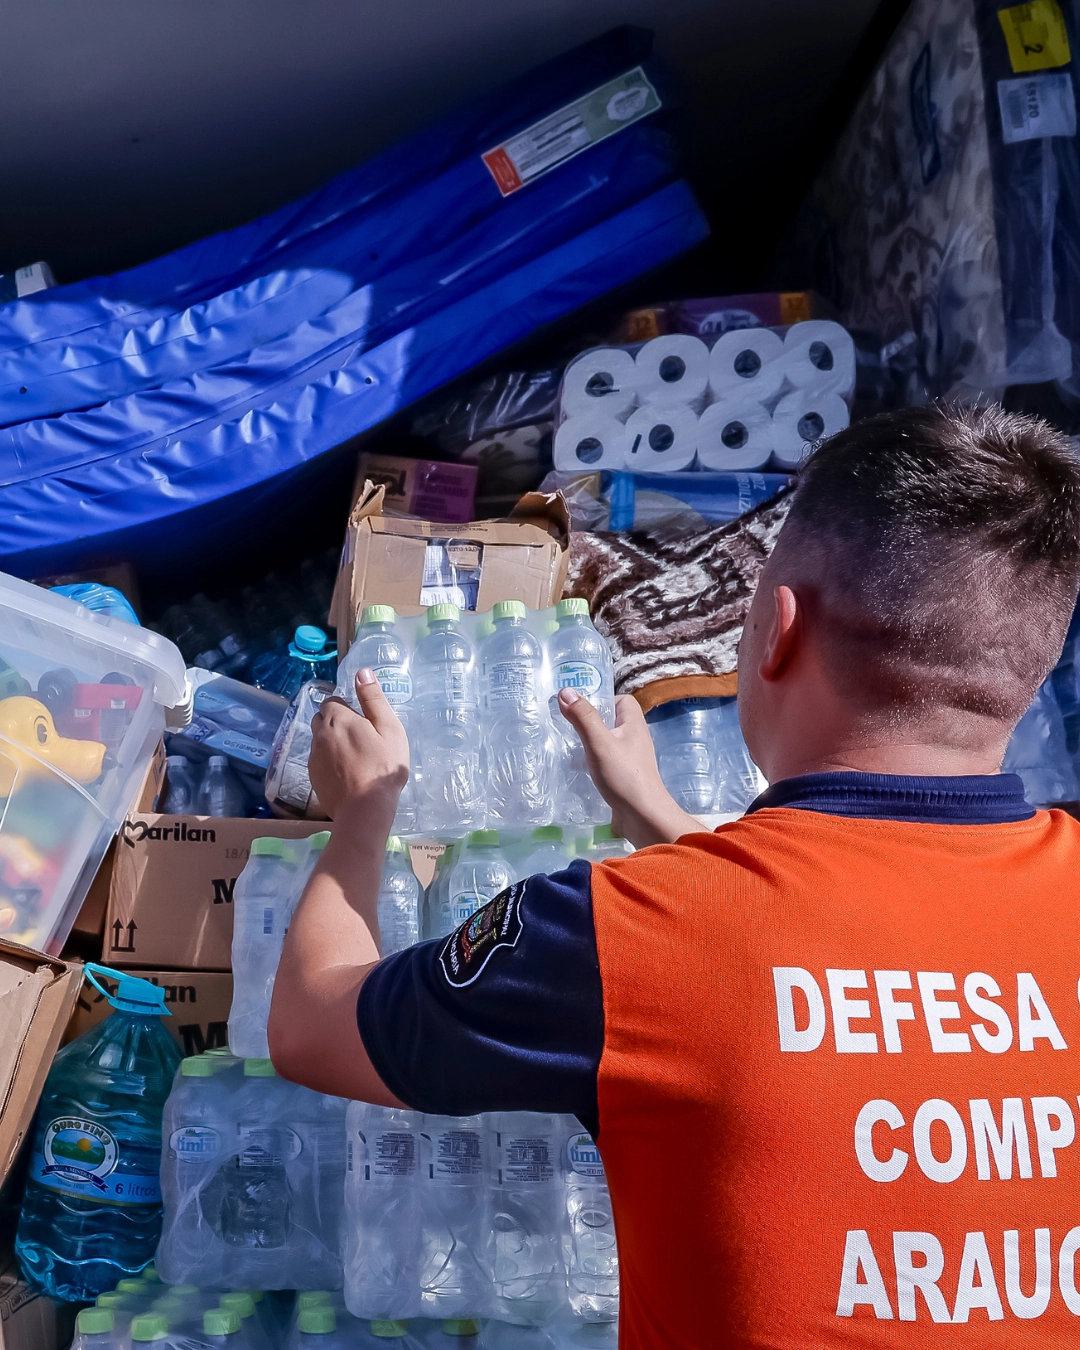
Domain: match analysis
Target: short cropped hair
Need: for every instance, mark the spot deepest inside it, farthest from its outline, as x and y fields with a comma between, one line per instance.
x=941, y=551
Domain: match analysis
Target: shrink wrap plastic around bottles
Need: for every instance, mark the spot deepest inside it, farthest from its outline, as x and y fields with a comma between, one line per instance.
x=754, y=398
x=478, y=694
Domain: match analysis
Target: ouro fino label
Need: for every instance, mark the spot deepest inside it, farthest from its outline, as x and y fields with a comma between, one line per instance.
x=579, y=675
x=79, y=1157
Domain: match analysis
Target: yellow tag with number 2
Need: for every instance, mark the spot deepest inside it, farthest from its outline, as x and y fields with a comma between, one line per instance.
x=1036, y=35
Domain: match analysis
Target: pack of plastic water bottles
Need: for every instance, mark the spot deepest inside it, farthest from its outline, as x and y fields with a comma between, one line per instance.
x=478, y=694
x=252, y=1179
x=739, y=401
x=505, y=1215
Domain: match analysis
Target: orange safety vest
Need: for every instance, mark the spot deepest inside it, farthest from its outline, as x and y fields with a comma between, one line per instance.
x=839, y=1086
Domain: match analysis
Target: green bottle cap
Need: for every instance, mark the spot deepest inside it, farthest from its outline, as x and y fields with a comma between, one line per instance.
x=385, y=1327
x=319, y=841
x=318, y=1321
x=95, y=1321
x=149, y=1327
x=482, y=838
x=548, y=834
x=268, y=848
x=242, y=1304
x=443, y=614
x=131, y=1286
x=170, y=1307
x=150, y=1272
x=258, y=1068
x=312, y=1298
x=195, y=1066
x=395, y=844
x=220, y=1322
x=461, y=1326
x=575, y=604
x=604, y=834
x=509, y=609
x=378, y=614
x=110, y=1300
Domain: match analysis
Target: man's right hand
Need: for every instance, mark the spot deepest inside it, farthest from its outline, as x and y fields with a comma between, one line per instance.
x=623, y=766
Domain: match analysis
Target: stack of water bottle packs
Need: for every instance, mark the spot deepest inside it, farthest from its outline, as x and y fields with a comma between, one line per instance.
x=756, y=396
x=478, y=695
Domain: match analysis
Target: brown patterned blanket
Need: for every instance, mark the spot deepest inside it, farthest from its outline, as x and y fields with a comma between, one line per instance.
x=672, y=605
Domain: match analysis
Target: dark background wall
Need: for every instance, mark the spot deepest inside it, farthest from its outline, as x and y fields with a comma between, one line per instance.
x=133, y=126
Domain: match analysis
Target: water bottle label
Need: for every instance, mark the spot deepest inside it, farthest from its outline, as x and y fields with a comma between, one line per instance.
x=463, y=906
x=583, y=1157
x=267, y=1146
x=390, y=1153
x=79, y=1157
x=579, y=675
x=511, y=682
x=526, y=1158
x=396, y=684
x=458, y=1153
x=195, y=1143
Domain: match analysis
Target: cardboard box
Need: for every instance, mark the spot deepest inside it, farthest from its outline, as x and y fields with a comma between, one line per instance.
x=385, y=559
x=37, y=994
x=170, y=898
x=199, y=1001
x=29, y=1320
x=421, y=487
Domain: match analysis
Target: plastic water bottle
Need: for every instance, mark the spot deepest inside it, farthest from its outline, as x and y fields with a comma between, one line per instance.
x=580, y=660
x=196, y=1137
x=453, y=1281
x=377, y=646
x=153, y=1328
x=519, y=749
x=682, y=734
x=399, y=900
x=262, y=907
x=92, y=1210
x=607, y=844
x=287, y=783
x=434, y=897
x=95, y=1329
x=524, y=1241
x=738, y=779
x=382, y=1207
x=255, y=1218
x=590, y=1254
x=315, y=1168
x=546, y=852
x=220, y=793
x=317, y=1329
x=240, y=1304
x=309, y=657
x=479, y=874
x=180, y=789
x=446, y=714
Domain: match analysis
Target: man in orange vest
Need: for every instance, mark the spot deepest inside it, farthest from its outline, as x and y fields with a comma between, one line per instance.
x=830, y=1051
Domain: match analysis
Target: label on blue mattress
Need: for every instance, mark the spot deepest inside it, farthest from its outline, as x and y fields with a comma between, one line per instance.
x=555, y=139
x=1037, y=106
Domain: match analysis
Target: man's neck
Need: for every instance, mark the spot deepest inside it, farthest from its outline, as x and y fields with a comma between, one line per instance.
x=911, y=757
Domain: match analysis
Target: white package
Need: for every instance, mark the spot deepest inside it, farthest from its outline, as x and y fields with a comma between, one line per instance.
x=746, y=364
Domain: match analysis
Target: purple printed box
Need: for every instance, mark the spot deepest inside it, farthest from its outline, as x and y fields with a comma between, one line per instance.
x=430, y=489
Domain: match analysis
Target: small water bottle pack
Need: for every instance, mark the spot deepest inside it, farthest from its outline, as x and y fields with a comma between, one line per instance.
x=755, y=397
x=702, y=757
x=503, y=1216
x=478, y=695
x=252, y=1175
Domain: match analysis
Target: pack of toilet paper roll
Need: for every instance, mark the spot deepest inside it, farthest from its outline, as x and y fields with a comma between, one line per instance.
x=754, y=396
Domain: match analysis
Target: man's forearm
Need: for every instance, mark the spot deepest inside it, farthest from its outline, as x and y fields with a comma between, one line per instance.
x=662, y=822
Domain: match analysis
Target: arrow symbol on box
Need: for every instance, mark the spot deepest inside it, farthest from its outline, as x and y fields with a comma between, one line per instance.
x=118, y=930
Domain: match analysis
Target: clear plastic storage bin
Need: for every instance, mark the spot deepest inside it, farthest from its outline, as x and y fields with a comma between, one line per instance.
x=82, y=699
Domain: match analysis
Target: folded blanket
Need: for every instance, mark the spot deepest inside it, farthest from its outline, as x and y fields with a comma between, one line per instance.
x=671, y=605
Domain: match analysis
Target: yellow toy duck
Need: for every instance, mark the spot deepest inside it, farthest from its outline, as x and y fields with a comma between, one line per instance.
x=24, y=722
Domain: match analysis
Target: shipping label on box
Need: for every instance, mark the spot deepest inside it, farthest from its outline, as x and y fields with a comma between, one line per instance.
x=199, y=1001
x=170, y=899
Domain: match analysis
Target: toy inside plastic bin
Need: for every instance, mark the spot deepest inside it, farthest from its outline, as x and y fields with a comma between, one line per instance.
x=82, y=699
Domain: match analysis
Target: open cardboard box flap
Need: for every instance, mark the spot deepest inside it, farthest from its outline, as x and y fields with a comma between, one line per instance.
x=521, y=557
x=37, y=994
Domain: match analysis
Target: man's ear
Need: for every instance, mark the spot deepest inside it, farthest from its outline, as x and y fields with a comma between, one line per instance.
x=785, y=632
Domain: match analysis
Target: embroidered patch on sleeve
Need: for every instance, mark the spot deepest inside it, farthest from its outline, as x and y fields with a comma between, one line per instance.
x=468, y=950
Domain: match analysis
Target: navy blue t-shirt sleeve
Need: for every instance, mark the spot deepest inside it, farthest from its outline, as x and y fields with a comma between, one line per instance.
x=506, y=1014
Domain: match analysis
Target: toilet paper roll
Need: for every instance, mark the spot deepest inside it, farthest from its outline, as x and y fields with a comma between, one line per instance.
x=819, y=354
x=733, y=435
x=746, y=364
x=803, y=418
x=589, y=443
x=603, y=378
x=661, y=440
x=672, y=370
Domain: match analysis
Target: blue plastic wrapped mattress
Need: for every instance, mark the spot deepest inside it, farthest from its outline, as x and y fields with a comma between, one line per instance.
x=137, y=405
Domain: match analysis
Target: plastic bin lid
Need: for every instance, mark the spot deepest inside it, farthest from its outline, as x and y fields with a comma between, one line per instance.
x=131, y=650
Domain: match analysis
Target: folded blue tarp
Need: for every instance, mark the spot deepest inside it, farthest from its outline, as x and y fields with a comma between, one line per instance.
x=152, y=503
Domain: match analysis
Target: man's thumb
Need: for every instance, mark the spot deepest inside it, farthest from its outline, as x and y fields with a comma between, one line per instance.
x=583, y=717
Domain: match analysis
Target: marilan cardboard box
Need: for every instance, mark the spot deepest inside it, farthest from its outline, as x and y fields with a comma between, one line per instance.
x=37, y=994
x=199, y=1001
x=399, y=560
x=170, y=898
